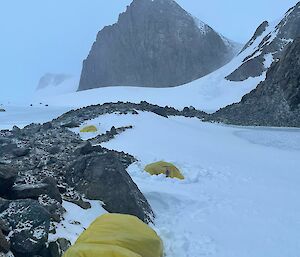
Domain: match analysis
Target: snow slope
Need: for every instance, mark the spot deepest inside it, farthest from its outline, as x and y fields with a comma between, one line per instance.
x=241, y=189
x=208, y=93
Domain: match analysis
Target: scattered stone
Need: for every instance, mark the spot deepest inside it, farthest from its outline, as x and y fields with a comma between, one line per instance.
x=33, y=191
x=59, y=247
x=20, y=152
x=3, y=204
x=84, y=148
x=7, y=178
x=81, y=203
x=4, y=244
x=30, y=224
x=4, y=226
x=71, y=124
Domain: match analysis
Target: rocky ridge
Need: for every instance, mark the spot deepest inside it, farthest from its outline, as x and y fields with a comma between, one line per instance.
x=275, y=101
x=272, y=45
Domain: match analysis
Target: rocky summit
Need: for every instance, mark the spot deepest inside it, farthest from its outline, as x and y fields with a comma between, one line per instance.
x=276, y=101
x=274, y=39
x=155, y=43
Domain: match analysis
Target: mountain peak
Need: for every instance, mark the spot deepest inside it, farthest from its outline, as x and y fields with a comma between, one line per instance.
x=275, y=38
x=155, y=43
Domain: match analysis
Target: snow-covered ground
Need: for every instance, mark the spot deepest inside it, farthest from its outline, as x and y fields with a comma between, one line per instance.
x=24, y=115
x=240, y=195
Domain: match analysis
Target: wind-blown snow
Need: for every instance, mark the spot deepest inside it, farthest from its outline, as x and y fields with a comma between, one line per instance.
x=240, y=194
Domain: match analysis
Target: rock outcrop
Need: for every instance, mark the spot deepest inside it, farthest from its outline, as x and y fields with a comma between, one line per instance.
x=29, y=223
x=276, y=101
x=155, y=43
x=270, y=47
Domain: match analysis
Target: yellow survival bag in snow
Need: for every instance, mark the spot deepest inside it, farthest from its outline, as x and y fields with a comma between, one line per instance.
x=117, y=235
x=169, y=169
x=87, y=129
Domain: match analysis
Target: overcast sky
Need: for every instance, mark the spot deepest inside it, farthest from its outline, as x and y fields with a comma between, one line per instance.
x=55, y=35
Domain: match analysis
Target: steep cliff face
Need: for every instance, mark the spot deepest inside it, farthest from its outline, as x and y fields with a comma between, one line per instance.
x=276, y=101
x=272, y=45
x=155, y=43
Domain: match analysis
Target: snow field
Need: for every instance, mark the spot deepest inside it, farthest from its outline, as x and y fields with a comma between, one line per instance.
x=240, y=193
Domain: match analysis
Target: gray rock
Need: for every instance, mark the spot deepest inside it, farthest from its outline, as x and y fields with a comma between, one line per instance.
x=259, y=31
x=104, y=177
x=21, y=152
x=84, y=148
x=54, y=150
x=4, y=140
x=30, y=224
x=7, y=178
x=4, y=244
x=59, y=247
x=3, y=204
x=4, y=226
x=33, y=191
x=288, y=29
x=154, y=44
x=2, y=110
x=276, y=101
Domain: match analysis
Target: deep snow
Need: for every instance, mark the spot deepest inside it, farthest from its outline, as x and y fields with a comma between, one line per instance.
x=240, y=195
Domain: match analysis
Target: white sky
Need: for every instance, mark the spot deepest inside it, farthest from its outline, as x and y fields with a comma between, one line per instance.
x=55, y=35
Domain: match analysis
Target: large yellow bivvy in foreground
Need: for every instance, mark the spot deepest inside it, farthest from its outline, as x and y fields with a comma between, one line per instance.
x=169, y=169
x=117, y=235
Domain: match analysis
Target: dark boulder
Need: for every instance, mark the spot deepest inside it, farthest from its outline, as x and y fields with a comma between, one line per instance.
x=33, y=191
x=3, y=204
x=54, y=150
x=84, y=148
x=70, y=124
x=7, y=178
x=21, y=151
x=30, y=224
x=4, y=244
x=4, y=140
x=54, y=207
x=47, y=125
x=104, y=177
x=160, y=111
x=4, y=226
x=59, y=247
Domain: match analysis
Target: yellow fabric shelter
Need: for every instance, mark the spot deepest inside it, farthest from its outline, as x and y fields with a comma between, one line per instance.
x=166, y=168
x=117, y=235
x=91, y=128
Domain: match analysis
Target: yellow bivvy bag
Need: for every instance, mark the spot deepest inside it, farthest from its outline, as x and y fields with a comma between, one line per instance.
x=169, y=169
x=87, y=129
x=117, y=235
